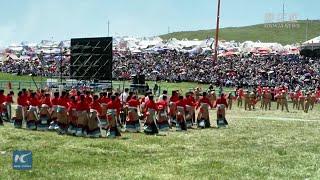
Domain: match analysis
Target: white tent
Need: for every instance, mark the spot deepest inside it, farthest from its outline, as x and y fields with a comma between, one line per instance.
x=25, y=58
x=3, y=58
x=248, y=46
x=16, y=47
x=50, y=51
x=173, y=44
x=312, y=43
x=188, y=44
x=13, y=57
x=147, y=42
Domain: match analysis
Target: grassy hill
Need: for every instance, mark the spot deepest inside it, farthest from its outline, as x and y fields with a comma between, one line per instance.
x=263, y=32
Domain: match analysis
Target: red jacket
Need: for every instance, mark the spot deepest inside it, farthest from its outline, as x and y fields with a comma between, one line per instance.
x=114, y=105
x=204, y=100
x=118, y=102
x=174, y=98
x=72, y=105
x=190, y=101
x=34, y=102
x=104, y=100
x=240, y=93
x=63, y=102
x=162, y=103
x=9, y=99
x=3, y=98
x=318, y=94
x=259, y=90
x=133, y=103
x=151, y=105
x=22, y=101
x=96, y=106
x=221, y=100
x=55, y=101
x=46, y=101
x=88, y=99
x=181, y=103
x=83, y=106
x=25, y=97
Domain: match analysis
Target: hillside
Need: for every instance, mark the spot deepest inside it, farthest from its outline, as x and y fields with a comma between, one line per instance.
x=262, y=32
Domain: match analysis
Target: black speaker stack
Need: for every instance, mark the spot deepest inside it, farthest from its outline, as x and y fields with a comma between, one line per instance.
x=138, y=83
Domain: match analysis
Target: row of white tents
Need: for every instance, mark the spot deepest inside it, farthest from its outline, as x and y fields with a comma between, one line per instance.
x=156, y=44
x=197, y=46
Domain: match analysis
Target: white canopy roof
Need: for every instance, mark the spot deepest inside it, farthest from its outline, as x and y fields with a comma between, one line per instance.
x=315, y=40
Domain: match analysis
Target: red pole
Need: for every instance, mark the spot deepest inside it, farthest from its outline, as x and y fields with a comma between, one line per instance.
x=217, y=35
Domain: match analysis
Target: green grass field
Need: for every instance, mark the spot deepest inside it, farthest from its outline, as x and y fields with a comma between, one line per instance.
x=256, y=145
x=257, y=33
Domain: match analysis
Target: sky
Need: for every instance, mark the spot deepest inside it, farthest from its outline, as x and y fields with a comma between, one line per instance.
x=36, y=20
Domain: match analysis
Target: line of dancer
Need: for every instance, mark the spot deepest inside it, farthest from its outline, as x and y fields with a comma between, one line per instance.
x=109, y=114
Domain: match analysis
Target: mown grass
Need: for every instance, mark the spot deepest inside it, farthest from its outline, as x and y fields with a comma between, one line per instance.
x=260, y=32
x=249, y=149
x=257, y=145
x=13, y=77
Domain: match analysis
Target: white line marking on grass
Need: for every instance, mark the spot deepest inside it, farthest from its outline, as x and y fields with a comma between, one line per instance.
x=277, y=119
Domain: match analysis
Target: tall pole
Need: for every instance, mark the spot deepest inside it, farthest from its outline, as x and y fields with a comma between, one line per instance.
x=61, y=59
x=217, y=35
x=108, y=28
x=42, y=67
x=307, y=29
x=283, y=18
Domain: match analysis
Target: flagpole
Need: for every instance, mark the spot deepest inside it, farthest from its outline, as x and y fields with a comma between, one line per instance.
x=217, y=35
x=108, y=28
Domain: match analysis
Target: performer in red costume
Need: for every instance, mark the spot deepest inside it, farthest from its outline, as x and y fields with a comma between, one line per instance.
x=20, y=111
x=62, y=116
x=180, y=114
x=190, y=109
x=32, y=114
x=150, y=126
x=162, y=117
x=3, y=100
x=173, y=108
x=132, y=122
x=221, y=104
x=46, y=105
x=203, y=119
x=94, y=118
x=72, y=116
x=82, y=120
x=54, y=112
x=114, y=108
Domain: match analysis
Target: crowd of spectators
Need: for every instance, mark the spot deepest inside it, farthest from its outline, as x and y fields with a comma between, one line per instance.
x=273, y=70
x=36, y=67
x=174, y=66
